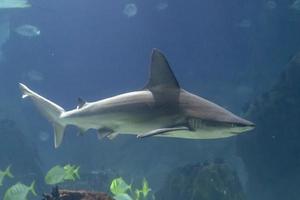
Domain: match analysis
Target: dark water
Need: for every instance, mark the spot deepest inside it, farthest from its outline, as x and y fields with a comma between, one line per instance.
x=229, y=52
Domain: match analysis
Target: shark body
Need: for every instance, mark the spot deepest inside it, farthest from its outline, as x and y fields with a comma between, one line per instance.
x=161, y=108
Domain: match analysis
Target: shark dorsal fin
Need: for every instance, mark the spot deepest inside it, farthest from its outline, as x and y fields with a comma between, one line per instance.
x=161, y=75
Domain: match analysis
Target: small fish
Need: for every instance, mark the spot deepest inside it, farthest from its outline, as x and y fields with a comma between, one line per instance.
x=59, y=174
x=14, y=4
x=271, y=5
x=145, y=189
x=162, y=6
x=4, y=28
x=4, y=33
x=34, y=75
x=55, y=175
x=296, y=5
x=28, y=30
x=119, y=186
x=130, y=10
x=19, y=191
x=5, y=173
x=44, y=136
x=245, y=23
x=122, y=197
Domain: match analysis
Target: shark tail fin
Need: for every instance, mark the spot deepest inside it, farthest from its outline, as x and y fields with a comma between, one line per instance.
x=76, y=172
x=50, y=110
x=8, y=172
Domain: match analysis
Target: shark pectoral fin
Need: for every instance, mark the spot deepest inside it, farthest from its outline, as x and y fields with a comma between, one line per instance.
x=104, y=132
x=162, y=131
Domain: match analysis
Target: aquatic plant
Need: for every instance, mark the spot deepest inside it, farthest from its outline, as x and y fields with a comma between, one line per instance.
x=123, y=191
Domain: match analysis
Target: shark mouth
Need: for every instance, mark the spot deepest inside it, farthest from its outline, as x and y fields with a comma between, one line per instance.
x=196, y=123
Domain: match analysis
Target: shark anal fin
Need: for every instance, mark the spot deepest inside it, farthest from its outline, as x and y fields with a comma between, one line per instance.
x=58, y=134
x=162, y=131
x=104, y=132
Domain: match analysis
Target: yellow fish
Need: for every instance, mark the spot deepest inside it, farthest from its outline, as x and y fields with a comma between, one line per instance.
x=19, y=191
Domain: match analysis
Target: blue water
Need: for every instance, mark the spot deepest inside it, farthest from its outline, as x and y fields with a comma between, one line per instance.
x=229, y=52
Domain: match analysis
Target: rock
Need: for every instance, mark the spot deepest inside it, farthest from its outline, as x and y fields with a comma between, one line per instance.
x=271, y=152
x=58, y=194
x=83, y=195
x=204, y=181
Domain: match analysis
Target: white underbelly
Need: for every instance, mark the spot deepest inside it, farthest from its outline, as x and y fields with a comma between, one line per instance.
x=126, y=124
x=199, y=134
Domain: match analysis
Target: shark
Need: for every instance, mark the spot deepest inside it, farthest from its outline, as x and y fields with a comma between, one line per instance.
x=161, y=108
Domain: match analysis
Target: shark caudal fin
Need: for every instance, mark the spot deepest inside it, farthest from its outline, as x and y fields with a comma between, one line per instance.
x=50, y=110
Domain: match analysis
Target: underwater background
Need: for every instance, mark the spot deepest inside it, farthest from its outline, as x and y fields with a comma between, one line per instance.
x=243, y=55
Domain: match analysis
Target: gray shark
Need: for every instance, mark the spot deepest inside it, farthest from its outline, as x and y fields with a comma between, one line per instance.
x=161, y=108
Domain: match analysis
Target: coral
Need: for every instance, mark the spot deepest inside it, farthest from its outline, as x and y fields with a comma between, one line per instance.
x=202, y=182
x=271, y=152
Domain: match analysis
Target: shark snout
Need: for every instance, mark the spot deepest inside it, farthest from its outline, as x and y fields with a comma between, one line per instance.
x=241, y=125
x=245, y=123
